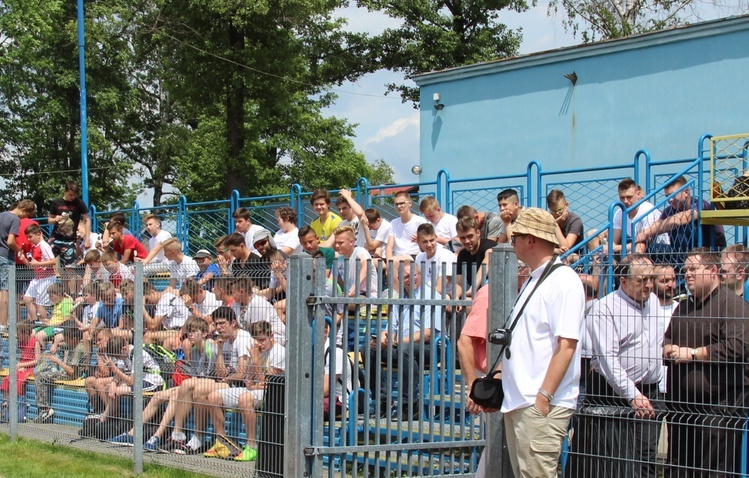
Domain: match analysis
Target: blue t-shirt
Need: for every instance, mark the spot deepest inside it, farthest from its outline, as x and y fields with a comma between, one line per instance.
x=684, y=238
x=212, y=269
x=110, y=314
x=9, y=224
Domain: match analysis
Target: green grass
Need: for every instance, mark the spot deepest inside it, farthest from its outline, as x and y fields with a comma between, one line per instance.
x=33, y=459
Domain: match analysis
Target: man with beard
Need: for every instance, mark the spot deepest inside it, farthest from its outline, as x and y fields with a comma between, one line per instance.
x=708, y=377
x=473, y=259
x=734, y=261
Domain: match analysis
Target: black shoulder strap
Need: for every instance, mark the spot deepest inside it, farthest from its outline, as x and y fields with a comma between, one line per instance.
x=550, y=267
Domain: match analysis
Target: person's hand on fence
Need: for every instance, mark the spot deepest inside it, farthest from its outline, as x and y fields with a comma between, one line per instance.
x=642, y=407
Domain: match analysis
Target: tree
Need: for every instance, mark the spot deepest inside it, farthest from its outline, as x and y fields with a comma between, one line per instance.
x=439, y=34
x=39, y=101
x=608, y=19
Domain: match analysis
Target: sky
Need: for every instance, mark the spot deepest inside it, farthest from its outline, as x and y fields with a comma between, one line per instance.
x=388, y=129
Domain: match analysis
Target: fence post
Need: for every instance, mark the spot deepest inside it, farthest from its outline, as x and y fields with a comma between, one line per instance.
x=503, y=273
x=13, y=353
x=298, y=431
x=138, y=371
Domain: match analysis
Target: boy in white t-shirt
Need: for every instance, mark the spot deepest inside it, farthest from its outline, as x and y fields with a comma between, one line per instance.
x=432, y=258
x=155, y=261
x=402, y=241
x=287, y=237
x=42, y=261
x=444, y=224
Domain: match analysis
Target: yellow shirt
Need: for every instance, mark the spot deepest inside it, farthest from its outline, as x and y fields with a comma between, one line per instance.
x=325, y=230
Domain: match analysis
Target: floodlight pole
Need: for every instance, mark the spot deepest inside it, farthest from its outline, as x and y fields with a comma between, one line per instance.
x=84, y=120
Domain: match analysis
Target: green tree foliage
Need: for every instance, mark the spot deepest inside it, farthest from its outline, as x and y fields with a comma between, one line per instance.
x=608, y=19
x=199, y=96
x=439, y=34
x=39, y=101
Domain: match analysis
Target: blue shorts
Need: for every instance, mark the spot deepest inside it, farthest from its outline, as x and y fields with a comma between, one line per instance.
x=4, y=266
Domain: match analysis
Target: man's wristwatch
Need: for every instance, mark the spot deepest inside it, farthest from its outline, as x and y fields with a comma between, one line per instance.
x=694, y=354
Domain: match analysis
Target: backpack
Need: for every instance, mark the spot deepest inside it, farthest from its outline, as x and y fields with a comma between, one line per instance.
x=109, y=428
x=164, y=357
x=740, y=188
x=354, y=370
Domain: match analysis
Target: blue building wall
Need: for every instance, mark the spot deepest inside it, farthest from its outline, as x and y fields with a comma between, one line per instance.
x=658, y=91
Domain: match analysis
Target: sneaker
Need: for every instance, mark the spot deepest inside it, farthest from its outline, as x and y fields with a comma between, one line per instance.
x=218, y=450
x=45, y=416
x=172, y=446
x=248, y=454
x=152, y=444
x=193, y=447
x=124, y=439
x=223, y=448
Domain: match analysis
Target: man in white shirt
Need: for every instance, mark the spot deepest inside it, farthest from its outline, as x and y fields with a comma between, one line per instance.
x=181, y=267
x=644, y=215
x=402, y=242
x=243, y=225
x=355, y=280
x=626, y=331
x=199, y=302
x=444, y=224
x=541, y=376
x=433, y=258
x=155, y=261
x=287, y=237
x=171, y=314
x=251, y=308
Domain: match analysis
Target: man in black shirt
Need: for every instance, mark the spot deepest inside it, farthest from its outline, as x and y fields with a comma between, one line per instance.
x=65, y=214
x=473, y=259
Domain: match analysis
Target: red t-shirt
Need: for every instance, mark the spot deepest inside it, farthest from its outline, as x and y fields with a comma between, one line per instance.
x=130, y=242
x=22, y=240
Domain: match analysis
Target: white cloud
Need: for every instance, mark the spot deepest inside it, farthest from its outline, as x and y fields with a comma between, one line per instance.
x=395, y=128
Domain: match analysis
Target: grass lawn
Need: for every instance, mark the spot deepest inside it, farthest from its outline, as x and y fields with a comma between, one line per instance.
x=31, y=459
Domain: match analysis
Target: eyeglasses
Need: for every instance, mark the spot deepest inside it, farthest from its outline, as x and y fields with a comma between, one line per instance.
x=515, y=236
x=401, y=203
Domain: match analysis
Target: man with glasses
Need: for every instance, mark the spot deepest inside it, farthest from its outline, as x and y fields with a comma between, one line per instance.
x=570, y=226
x=680, y=220
x=626, y=331
x=707, y=347
x=410, y=337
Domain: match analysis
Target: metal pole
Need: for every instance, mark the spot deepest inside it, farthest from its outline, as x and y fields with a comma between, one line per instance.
x=503, y=273
x=13, y=354
x=138, y=369
x=84, y=115
x=298, y=431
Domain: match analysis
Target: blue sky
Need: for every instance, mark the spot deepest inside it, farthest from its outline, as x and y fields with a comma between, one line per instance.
x=388, y=129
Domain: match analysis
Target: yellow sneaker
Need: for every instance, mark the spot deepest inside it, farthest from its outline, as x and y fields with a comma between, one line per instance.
x=248, y=454
x=218, y=450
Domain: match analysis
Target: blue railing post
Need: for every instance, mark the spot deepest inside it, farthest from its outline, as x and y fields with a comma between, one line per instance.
x=444, y=197
x=296, y=203
x=92, y=216
x=135, y=219
x=529, y=183
x=362, y=192
x=636, y=166
x=233, y=206
x=182, y=229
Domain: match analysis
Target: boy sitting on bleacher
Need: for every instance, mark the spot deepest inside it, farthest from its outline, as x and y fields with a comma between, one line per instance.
x=62, y=310
x=31, y=352
x=118, y=358
x=71, y=365
x=267, y=357
x=200, y=363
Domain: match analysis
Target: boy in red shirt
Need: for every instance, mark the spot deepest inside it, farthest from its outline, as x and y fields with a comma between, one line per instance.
x=124, y=244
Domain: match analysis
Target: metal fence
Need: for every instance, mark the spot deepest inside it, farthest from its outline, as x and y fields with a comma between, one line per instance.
x=402, y=405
